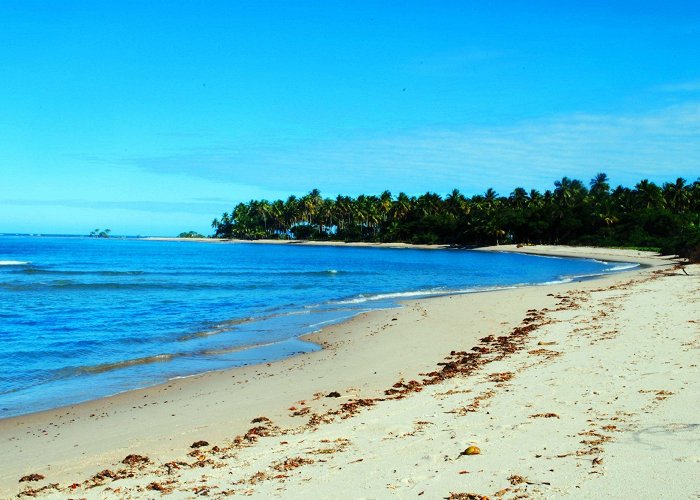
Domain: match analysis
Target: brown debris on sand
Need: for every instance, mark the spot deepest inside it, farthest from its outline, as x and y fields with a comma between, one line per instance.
x=544, y=352
x=136, y=460
x=102, y=476
x=291, y=463
x=501, y=377
x=33, y=492
x=261, y=420
x=475, y=404
x=460, y=363
x=400, y=389
x=352, y=407
x=31, y=477
x=254, y=433
x=516, y=479
x=301, y=412
x=163, y=488
x=466, y=496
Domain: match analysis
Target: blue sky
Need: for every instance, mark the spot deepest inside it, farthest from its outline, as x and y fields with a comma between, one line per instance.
x=155, y=117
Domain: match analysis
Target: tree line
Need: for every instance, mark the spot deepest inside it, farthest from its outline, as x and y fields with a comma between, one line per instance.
x=100, y=233
x=664, y=217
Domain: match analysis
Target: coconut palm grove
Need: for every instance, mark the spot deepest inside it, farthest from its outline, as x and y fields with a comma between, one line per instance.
x=661, y=217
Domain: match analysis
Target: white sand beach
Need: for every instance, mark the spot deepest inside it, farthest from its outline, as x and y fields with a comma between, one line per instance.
x=588, y=389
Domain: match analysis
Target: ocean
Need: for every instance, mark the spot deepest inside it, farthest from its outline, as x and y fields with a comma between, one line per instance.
x=83, y=318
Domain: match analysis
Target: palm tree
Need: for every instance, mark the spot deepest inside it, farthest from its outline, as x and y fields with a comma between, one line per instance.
x=536, y=200
x=490, y=201
x=621, y=199
x=385, y=201
x=429, y=204
x=677, y=195
x=343, y=211
x=496, y=231
x=519, y=198
x=401, y=207
x=569, y=192
x=456, y=204
x=648, y=194
x=326, y=211
x=599, y=186
x=260, y=209
x=310, y=205
x=276, y=214
x=291, y=212
x=694, y=196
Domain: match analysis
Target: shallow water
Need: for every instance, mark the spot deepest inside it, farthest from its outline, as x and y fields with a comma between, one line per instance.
x=83, y=318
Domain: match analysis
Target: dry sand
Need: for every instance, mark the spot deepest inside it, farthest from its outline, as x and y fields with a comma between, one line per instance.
x=586, y=390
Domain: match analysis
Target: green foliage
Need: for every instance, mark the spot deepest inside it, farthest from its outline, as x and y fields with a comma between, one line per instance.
x=190, y=234
x=100, y=233
x=305, y=232
x=646, y=216
x=686, y=244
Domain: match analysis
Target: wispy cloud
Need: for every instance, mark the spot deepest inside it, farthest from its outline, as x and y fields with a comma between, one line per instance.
x=660, y=144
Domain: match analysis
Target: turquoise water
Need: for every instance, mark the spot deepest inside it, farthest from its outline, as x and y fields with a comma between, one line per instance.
x=85, y=318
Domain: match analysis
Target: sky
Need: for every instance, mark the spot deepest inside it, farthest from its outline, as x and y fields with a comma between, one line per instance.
x=155, y=117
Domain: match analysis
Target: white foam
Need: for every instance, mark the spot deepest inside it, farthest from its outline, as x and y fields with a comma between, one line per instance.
x=317, y=326
x=623, y=267
x=570, y=278
x=13, y=263
x=537, y=255
x=419, y=293
x=558, y=282
x=398, y=295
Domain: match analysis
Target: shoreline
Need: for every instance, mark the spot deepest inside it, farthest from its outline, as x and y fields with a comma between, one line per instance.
x=587, y=253
x=348, y=349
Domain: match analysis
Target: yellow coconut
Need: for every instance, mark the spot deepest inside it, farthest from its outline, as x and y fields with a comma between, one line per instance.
x=472, y=450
